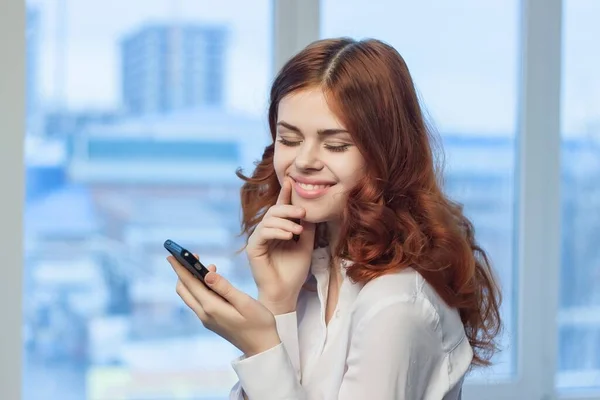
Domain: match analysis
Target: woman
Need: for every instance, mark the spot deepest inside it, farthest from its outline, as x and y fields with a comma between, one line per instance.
x=370, y=282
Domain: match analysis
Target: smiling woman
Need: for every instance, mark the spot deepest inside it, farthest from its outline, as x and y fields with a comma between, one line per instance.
x=401, y=282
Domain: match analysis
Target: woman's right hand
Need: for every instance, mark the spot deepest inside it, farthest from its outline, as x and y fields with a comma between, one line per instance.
x=279, y=264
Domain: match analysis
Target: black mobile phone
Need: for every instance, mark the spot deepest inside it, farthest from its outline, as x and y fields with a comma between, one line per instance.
x=187, y=259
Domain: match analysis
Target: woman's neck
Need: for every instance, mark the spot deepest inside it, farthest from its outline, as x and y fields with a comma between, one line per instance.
x=335, y=273
x=333, y=235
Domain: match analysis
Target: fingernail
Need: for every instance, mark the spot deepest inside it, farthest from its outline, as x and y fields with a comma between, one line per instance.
x=210, y=278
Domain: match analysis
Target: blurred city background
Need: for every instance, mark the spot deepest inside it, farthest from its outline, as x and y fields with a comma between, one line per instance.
x=138, y=115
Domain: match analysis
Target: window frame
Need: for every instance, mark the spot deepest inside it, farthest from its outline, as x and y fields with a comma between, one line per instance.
x=12, y=176
x=538, y=214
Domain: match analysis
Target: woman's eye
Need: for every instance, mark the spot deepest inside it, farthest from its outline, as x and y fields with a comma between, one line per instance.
x=290, y=143
x=331, y=147
x=337, y=147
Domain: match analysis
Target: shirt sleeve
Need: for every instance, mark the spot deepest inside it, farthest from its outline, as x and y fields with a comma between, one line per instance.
x=395, y=353
x=287, y=328
x=280, y=364
x=236, y=392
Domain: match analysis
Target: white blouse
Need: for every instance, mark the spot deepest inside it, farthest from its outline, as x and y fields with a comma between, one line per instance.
x=393, y=338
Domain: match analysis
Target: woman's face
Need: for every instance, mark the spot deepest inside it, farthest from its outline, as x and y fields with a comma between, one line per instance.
x=313, y=148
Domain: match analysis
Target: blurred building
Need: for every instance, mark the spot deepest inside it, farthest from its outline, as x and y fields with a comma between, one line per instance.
x=579, y=297
x=129, y=186
x=170, y=67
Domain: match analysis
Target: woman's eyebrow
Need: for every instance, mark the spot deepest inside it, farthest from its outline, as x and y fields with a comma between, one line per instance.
x=323, y=132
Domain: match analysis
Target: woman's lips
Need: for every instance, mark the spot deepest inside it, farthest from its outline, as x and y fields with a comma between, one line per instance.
x=310, y=191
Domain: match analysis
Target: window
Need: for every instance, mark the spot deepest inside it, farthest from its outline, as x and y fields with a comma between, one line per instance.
x=579, y=307
x=176, y=82
x=137, y=120
x=463, y=57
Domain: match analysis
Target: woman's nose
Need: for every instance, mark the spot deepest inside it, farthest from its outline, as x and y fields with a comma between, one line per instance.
x=308, y=157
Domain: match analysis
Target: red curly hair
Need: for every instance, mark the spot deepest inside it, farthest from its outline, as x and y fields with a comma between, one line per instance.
x=397, y=216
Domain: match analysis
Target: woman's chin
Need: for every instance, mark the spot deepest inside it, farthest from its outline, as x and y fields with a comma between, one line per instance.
x=317, y=218
x=313, y=220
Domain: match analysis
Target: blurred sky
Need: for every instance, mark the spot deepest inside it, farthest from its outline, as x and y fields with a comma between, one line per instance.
x=464, y=55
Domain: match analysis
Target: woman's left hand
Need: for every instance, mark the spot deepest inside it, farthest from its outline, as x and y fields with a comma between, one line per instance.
x=235, y=316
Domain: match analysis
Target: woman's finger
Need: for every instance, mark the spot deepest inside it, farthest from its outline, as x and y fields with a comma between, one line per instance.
x=283, y=224
x=285, y=194
x=238, y=299
x=201, y=293
x=190, y=300
x=267, y=234
x=285, y=211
